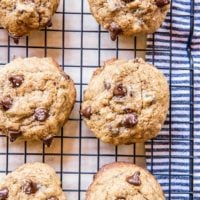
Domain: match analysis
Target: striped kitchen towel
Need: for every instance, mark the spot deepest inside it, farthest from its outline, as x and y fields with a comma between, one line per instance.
x=174, y=156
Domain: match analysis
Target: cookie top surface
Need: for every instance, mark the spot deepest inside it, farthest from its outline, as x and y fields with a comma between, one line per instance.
x=124, y=181
x=129, y=17
x=126, y=101
x=32, y=181
x=36, y=98
x=20, y=17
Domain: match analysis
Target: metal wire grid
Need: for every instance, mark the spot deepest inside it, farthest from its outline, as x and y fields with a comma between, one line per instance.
x=173, y=118
x=76, y=154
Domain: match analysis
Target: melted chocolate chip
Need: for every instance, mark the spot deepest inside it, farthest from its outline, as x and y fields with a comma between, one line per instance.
x=161, y=3
x=52, y=198
x=29, y=187
x=114, y=30
x=134, y=179
x=120, y=198
x=119, y=90
x=107, y=85
x=4, y=193
x=48, y=140
x=6, y=103
x=41, y=114
x=14, y=134
x=16, y=80
x=130, y=120
x=87, y=112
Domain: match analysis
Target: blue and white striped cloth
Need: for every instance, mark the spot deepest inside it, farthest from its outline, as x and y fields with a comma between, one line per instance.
x=174, y=156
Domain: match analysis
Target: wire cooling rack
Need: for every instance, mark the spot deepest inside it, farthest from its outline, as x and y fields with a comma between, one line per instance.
x=79, y=44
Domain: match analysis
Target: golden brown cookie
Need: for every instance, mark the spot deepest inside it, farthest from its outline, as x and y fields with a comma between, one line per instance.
x=31, y=181
x=36, y=99
x=124, y=181
x=20, y=17
x=129, y=17
x=126, y=101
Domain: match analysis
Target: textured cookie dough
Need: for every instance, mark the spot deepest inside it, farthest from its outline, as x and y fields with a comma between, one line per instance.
x=32, y=181
x=129, y=17
x=126, y=101
x=124, y=181
x=20, y=17
x=36, y=99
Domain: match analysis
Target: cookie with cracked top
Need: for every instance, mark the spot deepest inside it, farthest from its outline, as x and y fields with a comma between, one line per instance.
x=32, y=181
x=129, y=17
x=124, y=181
x=36, y=99
x=126, y=101
x=19, y=18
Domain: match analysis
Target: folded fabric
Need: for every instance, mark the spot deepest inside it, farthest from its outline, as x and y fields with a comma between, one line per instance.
x=174, y=156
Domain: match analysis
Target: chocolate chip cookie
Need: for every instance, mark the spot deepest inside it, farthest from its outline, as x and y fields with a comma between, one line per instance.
x=36, y=99
x=19, y=18
x=124, y=181
x=31, y=181
x=129, y=17
x=126, y=101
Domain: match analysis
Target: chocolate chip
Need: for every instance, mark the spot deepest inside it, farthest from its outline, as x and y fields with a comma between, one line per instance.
x=48, y=140
x=16, y=80
x=114, y=30
x=14, y=134
x=4, y=193
x=87, y=112
x=130, y=120
x=107, y=85
x=128, y=110
x=161, y=3
x=15, y=39
x=49, y=23
x=134, y=179
x=52, y=198
x=41, y=114
x=6, y=103
x=120, y=90
x=29, y=187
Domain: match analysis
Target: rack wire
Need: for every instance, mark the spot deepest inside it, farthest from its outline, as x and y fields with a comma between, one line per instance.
x=80, y=46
